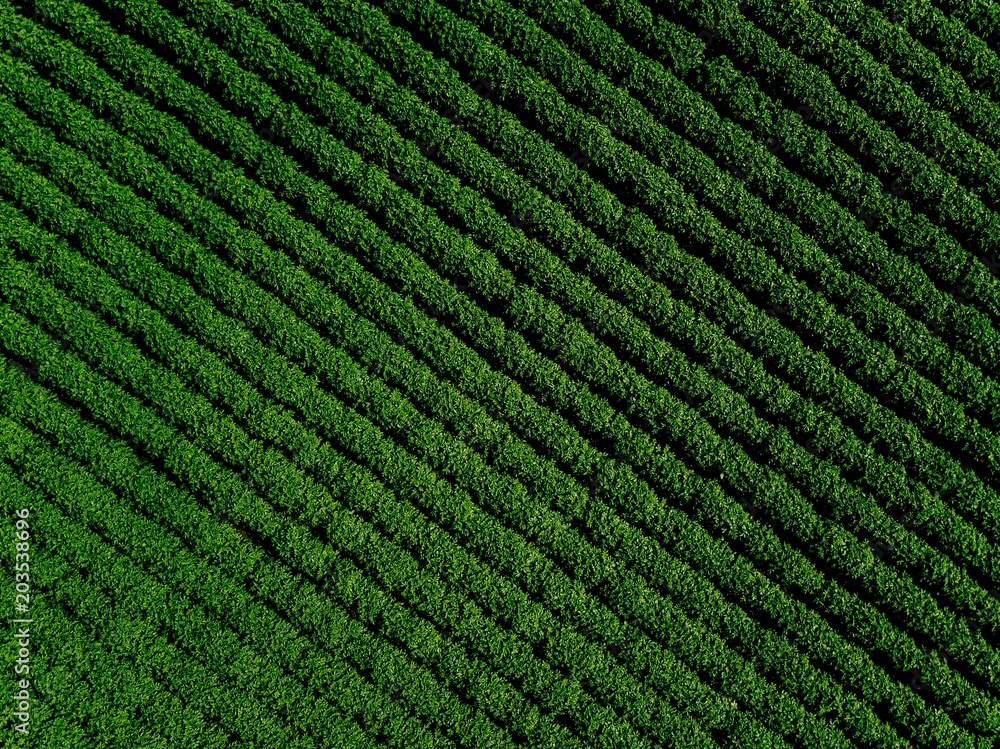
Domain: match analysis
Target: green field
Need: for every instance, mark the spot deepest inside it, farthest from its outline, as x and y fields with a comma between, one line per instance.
x=507, y=373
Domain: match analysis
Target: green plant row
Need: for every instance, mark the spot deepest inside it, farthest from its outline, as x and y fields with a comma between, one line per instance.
x=70, y=664
x=186, y=302
x=741, y=86
x=230, y=125
x=647, y=87
x=764, y=402
x=84, y=674
x=933, y=481
x=936, y=188
x=308, y=346
x=278, y=541
x=325, y=688
x=934, y=81
x=199, y=366
x=81, y=131
x=135, y=709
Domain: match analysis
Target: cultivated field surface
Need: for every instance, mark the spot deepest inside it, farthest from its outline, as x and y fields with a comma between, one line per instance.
x=479, y=374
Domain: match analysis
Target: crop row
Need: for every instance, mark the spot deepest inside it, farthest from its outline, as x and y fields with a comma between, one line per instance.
x=242, y=453
x=950, y=311
x=168, y=293
x=858, y=76
x=350, y=117
x=335, y=118
x=204, y=369
x=215, y=696
x=967, y=166
x=307, y=347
